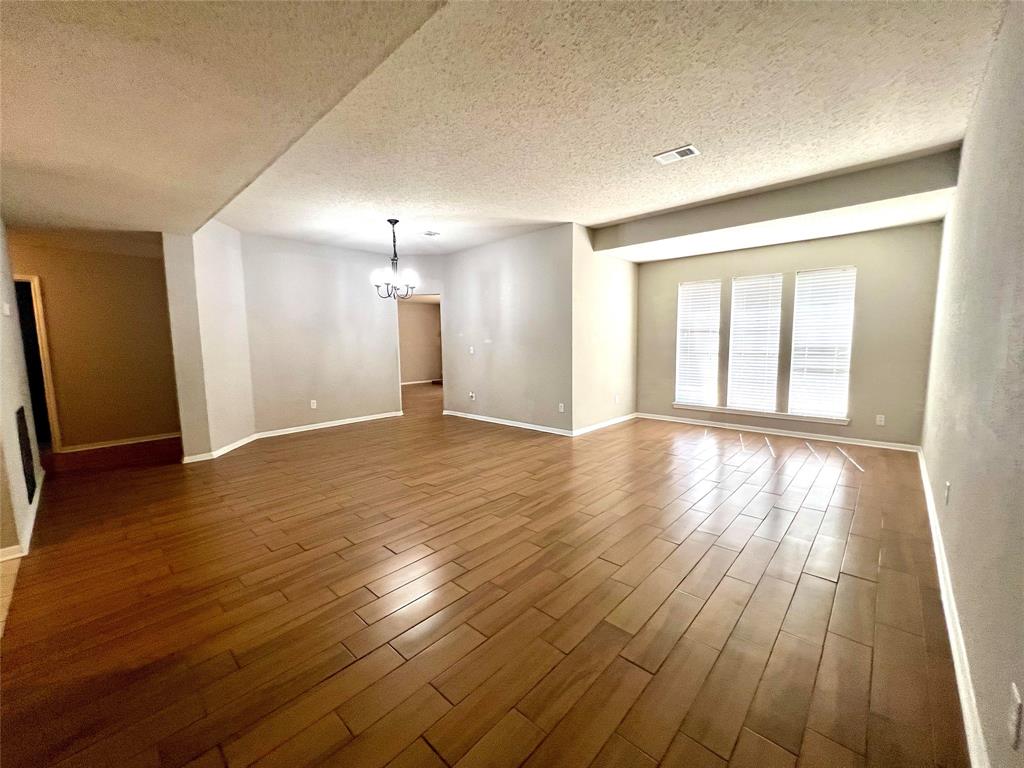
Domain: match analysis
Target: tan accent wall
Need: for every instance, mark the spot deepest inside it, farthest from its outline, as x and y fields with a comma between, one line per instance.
x=105, y=308
x=895, y=300
x=419, y=339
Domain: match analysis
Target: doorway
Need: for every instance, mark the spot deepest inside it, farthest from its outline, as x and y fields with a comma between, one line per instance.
x=420, y=357
x=37, y=362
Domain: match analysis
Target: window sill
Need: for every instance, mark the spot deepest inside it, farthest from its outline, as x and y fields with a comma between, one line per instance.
x=761, y=414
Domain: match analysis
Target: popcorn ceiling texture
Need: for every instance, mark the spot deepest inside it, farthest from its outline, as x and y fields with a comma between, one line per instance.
x=498, y=116
x=490, y=119
x=151, y=116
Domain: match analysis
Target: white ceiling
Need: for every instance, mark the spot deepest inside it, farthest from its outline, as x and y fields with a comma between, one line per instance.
x=492, y=119
x=153, y=115
x=499, y=117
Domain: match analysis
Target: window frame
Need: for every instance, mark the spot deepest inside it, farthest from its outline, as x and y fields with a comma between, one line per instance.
x=780, y=278
x=718, y=353
x=849, y=368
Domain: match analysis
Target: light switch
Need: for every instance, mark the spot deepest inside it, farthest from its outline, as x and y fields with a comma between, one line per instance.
x=7, y=309
x=472, y=350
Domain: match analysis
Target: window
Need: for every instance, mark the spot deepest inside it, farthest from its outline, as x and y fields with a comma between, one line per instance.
x=697, y=342
x=822, y=335
x=754, y=342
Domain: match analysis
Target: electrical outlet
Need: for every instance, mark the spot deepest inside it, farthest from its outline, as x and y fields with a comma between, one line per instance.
x=880, y=420
x=472, y=351
x=7, y=309
x=561, y=407
x=1016, y=721
x=616, y=398
x=312, y=404
x=948, y=486
x=472, y=395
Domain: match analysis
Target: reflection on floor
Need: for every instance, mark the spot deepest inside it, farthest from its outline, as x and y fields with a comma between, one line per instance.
x=431, y=590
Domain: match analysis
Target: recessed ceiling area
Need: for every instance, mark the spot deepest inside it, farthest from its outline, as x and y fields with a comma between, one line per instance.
x=498, y=117
x=152, y=116
x=317, y=121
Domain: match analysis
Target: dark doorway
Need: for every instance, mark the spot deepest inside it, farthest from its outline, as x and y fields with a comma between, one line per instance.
x=33, y=363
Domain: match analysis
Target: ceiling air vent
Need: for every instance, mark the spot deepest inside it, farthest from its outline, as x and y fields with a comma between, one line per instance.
x=664, y=158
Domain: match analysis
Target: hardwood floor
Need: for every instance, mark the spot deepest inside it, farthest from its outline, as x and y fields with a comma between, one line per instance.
x=431, y=591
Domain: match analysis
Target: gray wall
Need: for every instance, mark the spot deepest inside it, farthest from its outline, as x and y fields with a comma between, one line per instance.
x=974, y=429
x=512, y=301
x=16, y=512
x=317, y=331
x=896, y=278
x=603, y=334
x=419, y=340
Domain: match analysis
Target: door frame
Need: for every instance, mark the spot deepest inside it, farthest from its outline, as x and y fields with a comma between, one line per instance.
x=44, y=357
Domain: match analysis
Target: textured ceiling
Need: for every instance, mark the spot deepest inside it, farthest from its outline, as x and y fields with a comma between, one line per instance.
x=152, y=115
x=499, y=117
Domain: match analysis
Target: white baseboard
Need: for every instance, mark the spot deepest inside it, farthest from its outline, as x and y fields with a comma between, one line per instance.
x=325, y=424
x=541, y=427
x=285, y=431
x=508, y=423
x=976, y=746
x=112, y=443
x=421, y=381
x=603, y=424
x=783, y=432
x=12, y=552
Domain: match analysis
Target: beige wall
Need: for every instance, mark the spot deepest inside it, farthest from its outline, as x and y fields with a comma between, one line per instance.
x=317, y=331
x=896, y=278
x=419, y=336
x=14, y=393
x=511, y=300
x=105, y=306
x=604, y=292
x=974, y=428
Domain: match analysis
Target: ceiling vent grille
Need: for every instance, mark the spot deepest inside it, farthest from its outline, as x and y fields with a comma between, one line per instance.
x=679, y=153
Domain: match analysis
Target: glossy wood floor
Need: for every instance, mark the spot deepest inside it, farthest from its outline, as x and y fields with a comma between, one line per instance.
x=429, y=590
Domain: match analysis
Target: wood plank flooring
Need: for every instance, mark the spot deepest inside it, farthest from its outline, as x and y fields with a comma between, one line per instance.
x=433, y=591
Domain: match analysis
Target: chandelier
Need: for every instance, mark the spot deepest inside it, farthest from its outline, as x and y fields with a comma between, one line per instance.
x=388, y=282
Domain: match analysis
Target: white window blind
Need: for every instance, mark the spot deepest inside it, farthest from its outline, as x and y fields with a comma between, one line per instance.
x=822, y=337
x=754, y=342
x=698, y=320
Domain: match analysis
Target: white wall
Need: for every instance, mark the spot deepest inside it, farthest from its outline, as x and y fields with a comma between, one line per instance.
x=974, y=427
x=317, y=331
x=223, y=325
x=14, y=393
x=180, y=275
x=511, y=300
x=210, y=337
x=604, y=295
